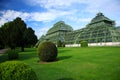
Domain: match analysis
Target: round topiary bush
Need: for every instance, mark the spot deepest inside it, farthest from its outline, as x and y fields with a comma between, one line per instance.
x=84, y=44
x=47, y=51
x=16, y=70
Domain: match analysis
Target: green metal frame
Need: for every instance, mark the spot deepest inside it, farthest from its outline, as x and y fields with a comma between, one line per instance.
x=100, y=29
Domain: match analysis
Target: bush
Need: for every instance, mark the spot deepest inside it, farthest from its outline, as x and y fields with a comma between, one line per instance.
x=84, y=44
x=63, y=44
x=47, y=51
x=12, y=54
x=16, y=70
x=60, y=44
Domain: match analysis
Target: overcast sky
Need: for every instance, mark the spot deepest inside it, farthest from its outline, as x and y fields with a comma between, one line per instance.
x=42, y=14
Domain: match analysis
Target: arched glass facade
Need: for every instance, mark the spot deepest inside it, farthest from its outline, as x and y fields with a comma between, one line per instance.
x=100, y=29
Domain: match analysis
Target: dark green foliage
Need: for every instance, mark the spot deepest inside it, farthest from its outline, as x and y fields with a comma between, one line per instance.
x=47, y=51
x=12, y=54
x=20, y=26
x=59, y=43
x=84, y=44
x=12, y=33
x=16, y=34
x=63, y=44
x=5, y=34
x=30, y=37
x=16, y=70
x=1, y=44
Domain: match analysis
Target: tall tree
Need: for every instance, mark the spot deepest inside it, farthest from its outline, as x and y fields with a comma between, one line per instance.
x=30, y=37
x=20, y=27
x=16, y=34
x=6, y=35
x=1, y=43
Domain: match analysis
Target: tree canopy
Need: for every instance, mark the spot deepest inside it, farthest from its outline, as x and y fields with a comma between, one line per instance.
x=16, y=34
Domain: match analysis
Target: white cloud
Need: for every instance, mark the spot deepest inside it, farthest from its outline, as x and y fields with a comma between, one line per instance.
x=64, y=9
x=117, y=23
x=36, y=16
x=33, y=16
x=54, y=10
x=9, y=15
x=41, y=31
x=44, y=17
x=106, y=6
x=50, y=3
x=78, y=19
x=2, y=21
x=49, y=16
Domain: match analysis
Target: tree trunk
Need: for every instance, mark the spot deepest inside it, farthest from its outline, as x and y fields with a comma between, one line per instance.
x=22, y=48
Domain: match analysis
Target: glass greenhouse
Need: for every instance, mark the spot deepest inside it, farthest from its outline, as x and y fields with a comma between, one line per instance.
x=100, y=29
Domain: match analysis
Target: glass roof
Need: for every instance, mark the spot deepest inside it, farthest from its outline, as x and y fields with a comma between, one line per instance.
x=60, y=26
x=100, y=17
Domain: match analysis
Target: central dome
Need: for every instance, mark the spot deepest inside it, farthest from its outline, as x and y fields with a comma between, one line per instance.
x=60, y=26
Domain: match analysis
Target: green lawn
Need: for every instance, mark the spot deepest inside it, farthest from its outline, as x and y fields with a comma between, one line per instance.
x=92, y=63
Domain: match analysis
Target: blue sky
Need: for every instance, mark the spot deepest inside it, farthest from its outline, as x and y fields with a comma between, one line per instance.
x=42, y=14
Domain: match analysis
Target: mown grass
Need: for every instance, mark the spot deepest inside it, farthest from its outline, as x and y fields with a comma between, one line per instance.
x=92, y=63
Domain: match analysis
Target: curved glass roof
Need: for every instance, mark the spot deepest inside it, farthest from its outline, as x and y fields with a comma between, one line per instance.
x=60, y=26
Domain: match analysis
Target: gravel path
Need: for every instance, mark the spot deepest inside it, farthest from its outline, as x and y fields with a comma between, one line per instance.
x=2, y=51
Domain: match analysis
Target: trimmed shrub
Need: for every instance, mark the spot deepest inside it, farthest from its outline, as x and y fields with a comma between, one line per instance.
x=59, y=43
x=12, y=54
x=16, y=70
x=63, y=44
x=47, y=51
x=84, y=44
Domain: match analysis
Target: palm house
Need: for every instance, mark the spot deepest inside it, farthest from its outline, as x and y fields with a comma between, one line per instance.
x=100, y=30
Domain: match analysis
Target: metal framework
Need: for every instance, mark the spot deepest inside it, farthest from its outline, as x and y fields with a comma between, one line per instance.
x=100, y=29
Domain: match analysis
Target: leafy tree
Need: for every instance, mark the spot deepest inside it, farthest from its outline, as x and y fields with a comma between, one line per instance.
x=16, y=34
x=19, y=26
x=30, y=37
x=6, y=35
x=1, y=44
